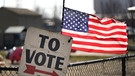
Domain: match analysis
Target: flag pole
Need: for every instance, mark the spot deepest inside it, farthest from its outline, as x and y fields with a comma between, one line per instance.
x=63, y=11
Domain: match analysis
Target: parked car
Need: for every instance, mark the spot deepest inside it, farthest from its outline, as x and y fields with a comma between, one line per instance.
x=130, y=31
x=14, y=54
x=8, y=53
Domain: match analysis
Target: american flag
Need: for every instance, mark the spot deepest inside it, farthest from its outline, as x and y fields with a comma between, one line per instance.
x=92, y=34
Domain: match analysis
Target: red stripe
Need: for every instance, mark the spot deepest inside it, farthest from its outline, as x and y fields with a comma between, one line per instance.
x=105, y=28
x=101, y=51
x=94, y=20
x=108, y=22
x=94, y=38
x=111, y=45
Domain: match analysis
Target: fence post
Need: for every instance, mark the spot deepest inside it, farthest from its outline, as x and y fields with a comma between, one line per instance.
x=124, y=66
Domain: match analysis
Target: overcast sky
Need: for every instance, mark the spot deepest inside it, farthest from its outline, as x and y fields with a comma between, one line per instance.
x=48, y=5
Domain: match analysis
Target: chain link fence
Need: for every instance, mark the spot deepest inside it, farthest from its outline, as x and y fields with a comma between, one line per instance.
x=116, y=66
x=8, y=71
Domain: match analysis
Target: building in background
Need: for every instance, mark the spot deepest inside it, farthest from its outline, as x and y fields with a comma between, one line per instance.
x=14, y=23
x=18, y=17
x=113, y=8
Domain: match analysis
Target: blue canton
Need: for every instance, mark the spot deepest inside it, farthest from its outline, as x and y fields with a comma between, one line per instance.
x=75, y=20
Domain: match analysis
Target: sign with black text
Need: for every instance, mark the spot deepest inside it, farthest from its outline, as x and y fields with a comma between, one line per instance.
x=45, y=53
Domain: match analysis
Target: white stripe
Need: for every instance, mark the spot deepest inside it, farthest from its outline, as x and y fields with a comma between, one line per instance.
x=106, y=26
x=99, y=41
x=105, y=19
x=75, y=32
x=98, y=48
x=92, y=17
x=112, y=36
x=93, y=35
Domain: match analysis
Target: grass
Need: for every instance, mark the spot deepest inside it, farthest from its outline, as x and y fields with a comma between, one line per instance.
x=3, y=53
x=85, y=58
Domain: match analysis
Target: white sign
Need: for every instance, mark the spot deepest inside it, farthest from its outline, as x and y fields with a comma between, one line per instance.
x=45, y=53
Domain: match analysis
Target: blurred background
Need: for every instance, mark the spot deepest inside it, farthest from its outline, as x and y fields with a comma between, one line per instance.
x=17, y=15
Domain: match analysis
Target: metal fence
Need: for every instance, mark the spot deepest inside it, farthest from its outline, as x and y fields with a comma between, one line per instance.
x=8, y=71
x=116, y=66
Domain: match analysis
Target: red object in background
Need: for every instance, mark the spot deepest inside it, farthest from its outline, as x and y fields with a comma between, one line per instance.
x=16, y=54
x=72, y=50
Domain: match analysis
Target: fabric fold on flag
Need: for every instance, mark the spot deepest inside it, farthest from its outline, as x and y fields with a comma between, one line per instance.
x=93, y=34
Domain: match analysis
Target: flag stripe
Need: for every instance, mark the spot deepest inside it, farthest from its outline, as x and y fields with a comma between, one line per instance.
x=109, y=33
x=107, y=21
x=105, y=28
x=94, y=20
x=97, y=47
x=99, y=41
x=101, y=51
x=108, y=25
x=111, y=45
